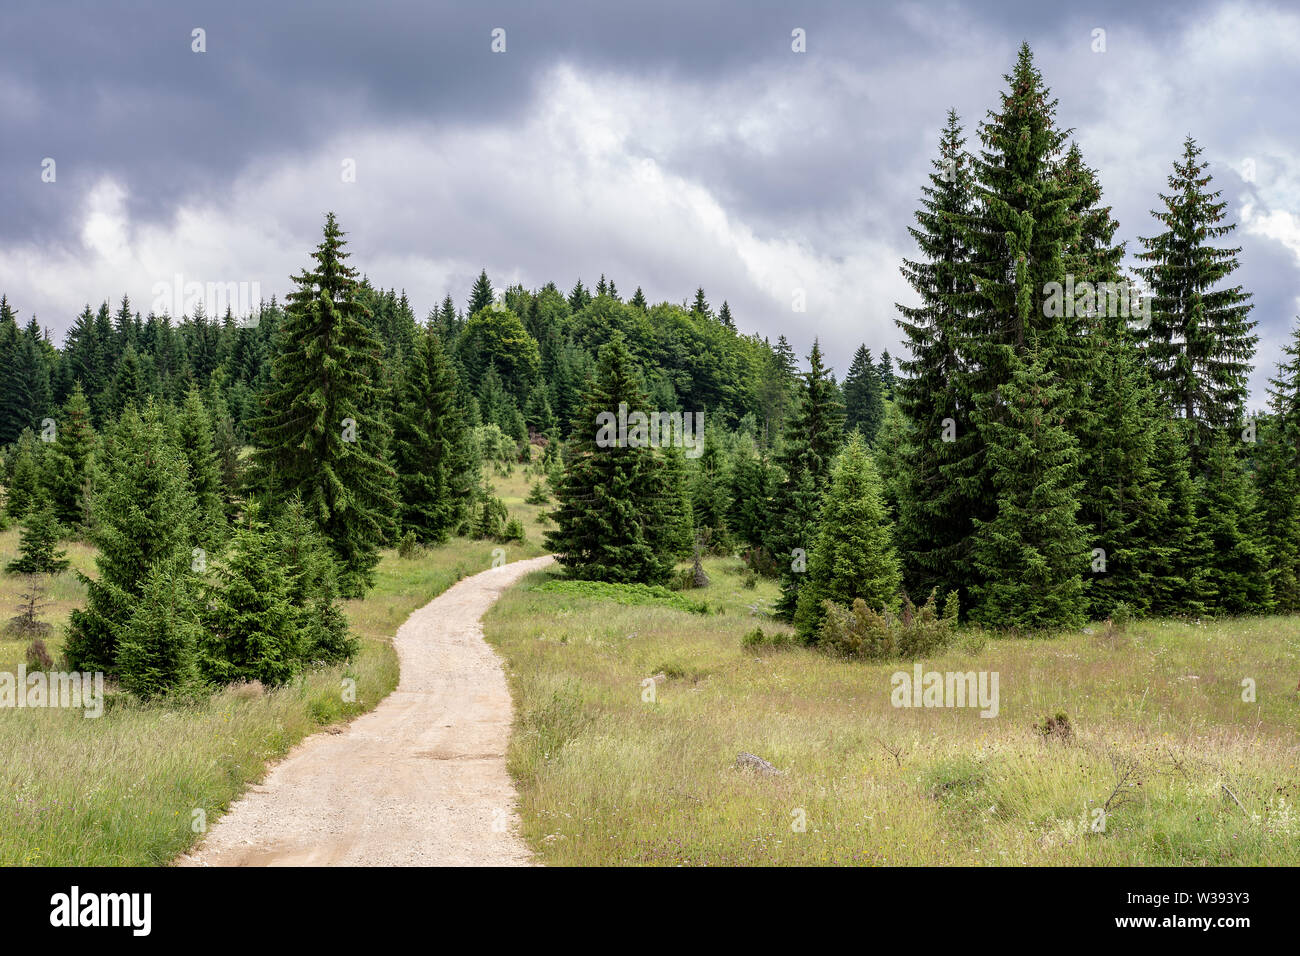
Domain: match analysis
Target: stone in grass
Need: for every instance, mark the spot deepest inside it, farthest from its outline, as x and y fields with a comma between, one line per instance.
x=747, y=761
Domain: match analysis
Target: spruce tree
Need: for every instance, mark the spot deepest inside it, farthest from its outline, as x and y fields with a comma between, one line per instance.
x=482, y=295
x=319, y=435
x=1278, y=478
x=431, y=446
x=1199, y=342
x=749, y=517
x=864, y=406
x=609, y=522
x=312, y=579
x=1179, y=567
x=724, y=315
x=1237, y=575
x=933, y=475
x=38, y=550
x=678, y=511
x=250, y=625
x=700, y=306
x=638, y=300
x=69, y=462
x=885, y=372
x=25, y=472
x=813, y=436
x=853, y=554
x=195, y=438
x=1030, y=556
x=158, y=638
x=145, y=513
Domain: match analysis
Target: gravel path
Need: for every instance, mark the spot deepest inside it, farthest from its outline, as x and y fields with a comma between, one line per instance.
x=418, y=781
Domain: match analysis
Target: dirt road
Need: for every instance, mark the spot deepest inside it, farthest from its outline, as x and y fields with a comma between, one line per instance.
x=420, y=780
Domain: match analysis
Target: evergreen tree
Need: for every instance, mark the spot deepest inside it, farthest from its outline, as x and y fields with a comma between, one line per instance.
x=194, y=436
x=312, y=580
x=482, y=295
x=1178, y=568
x=24, y=482
x=431, y=449
x=158, y=639
x=751, y=489
x=679, y=518
x=1031, y=554
x=932, y=476
x=724, y=315
x=69, y=461
x=638, y=300
x=864, y=407
x=38, y=551
x=612, y=497
x=1278, y=478
x=701, y=305
x=1199, y=342
x=145, y=514
x=853, y=555
x=319, y=436
x=813, y=436
x=249, y=621
x=885, y=372
x=1237, y=578
x=579, y=297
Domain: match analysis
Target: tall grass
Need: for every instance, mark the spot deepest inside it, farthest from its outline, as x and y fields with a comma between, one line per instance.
x=606, y=776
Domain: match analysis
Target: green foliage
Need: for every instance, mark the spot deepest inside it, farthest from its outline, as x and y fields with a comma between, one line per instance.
x=69, y=462
x=853, y=555
x=610, y=518
x=250, y=624
x=432, y=450
x=320, y=436
x=862, y=632
x=38, y=551
x=620, y=593
x=145, y=514
x=156, y=650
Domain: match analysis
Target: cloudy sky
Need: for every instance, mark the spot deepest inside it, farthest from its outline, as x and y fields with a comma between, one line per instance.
x=670, y=145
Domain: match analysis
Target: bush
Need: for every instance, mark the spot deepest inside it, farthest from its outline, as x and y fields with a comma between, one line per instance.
x=862, y=632
x=514, y=531
x=408, y=548
x=491, y=519
x=757, y=638
x=38, y=658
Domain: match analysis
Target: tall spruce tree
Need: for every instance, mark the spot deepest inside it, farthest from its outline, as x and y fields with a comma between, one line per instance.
x=195, y=438
x=431, y=446
x=612, y=498
x=319, y=435
x=936, y=468
x=813, y=436
x=1237, y=566
x=1199, y=342
x=1032, y=553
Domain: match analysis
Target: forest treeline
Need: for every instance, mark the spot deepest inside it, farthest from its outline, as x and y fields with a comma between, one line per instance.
x=1035, y=460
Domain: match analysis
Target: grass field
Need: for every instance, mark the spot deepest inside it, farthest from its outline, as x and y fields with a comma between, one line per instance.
x=122, y=789
x=1193, y=774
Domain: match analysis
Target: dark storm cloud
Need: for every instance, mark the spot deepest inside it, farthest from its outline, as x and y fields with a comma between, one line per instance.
x=825, y=150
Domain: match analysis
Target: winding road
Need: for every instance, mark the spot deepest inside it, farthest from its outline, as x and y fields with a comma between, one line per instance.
x=418, y=781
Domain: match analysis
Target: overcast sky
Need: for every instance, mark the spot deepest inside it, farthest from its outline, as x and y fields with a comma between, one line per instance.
x=676, y=145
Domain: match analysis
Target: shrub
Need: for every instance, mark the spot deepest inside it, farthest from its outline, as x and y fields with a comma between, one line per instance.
x=38, y=658
x=514, y=531
x=537, y=495
x=758, y=638
x=863, y=632
x=1056, y=726
x=408, y=548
